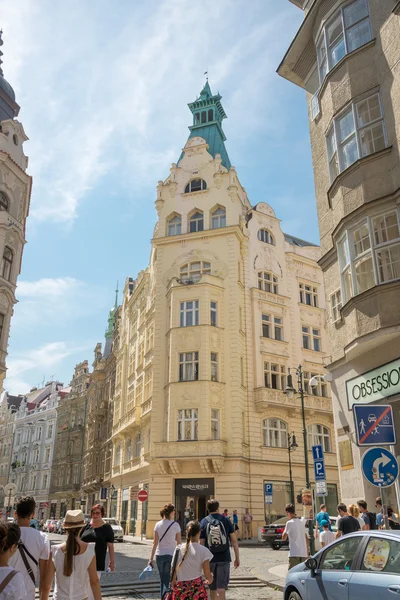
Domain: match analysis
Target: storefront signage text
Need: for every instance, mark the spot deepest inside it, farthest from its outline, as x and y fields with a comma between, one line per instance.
x=195, y=488
x=374, y=385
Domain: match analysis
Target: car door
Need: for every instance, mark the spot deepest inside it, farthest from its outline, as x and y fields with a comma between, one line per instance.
x=335, y=570
x=378, y=575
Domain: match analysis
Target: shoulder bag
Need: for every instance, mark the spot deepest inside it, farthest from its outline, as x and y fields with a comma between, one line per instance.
x=166, y=531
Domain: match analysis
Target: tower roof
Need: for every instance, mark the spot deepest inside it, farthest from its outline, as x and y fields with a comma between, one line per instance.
x=8, y=106
x=111, y=322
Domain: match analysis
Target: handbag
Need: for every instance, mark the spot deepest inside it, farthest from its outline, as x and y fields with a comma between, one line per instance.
x=168, y=595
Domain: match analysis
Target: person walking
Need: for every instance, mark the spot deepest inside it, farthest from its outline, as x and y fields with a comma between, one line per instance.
x=369, y=518
x=323, y=516
x=73, y=564
x=247, y=519
x=235, y=521
x=295, y=531
x=354, y=512
x=347, y=523
x=100, y=533
x=326, y=536
x=12, y=586
x=34, y=549
x=167, y=535
x=193, y=560
x=217, y=534
x=379, y=514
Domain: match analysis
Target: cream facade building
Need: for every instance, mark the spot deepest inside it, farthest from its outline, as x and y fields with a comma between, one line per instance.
x=204, y=340
x=346, y=56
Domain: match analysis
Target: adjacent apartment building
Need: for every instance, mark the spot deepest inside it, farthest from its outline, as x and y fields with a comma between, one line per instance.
x=204, y=340
x=346, y=57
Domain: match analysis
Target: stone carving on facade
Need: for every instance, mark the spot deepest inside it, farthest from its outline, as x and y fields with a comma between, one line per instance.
x=174, y=466
x=162, y=467
x=218, y=464
x=204, y=465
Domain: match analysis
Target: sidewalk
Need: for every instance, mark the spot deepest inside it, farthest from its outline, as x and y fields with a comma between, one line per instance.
x=274, y=577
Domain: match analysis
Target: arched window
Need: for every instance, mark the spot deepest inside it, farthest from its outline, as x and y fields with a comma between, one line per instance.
x=218, y=218
x=196, y=222
x=203, y=117
x=267, y=282
x=319, y=435
x=7, y=263
x=3, y=202
x=196, y=185
x=193, y=271
x=175, y=225
x=265, y=236
x=275, y=433
x=211, y=115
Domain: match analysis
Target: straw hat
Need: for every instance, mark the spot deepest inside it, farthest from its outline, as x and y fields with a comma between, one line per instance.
x=74, y=518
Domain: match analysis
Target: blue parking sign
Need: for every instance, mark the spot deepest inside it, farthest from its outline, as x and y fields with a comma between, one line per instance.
x=268, y=493
x=319, y=463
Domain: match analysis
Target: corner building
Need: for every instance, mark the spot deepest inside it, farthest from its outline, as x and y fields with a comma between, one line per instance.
x=205, y=339
x=346, y=56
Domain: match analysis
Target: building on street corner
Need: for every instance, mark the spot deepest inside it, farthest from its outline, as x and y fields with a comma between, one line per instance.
x=346, y=56
x=8, y=411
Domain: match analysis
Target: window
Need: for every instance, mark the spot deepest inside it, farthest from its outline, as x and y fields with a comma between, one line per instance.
x=138, y=444
x=218, y=218
x=36, y=455
x=389, y=556
x=267, y=282
x=357, y=132
x=265, y=236
x=336, y=305
x=275, y=433
x=3, y=202
x=189, y=313
x=210, y=114
x=213, y=313
x=47, y=455
x=319, y=390
x=175, y=226
x=148, y=384
x=196, y=185
x=34, y=482
x=241, y=371
x=7, y=263
x=189, y=366
x=117, y=455
x=196, y=222
x=214, y=366
x=204, y=117
x=98, y=431
x=348, y=29
x=308, y=294
x=18, y=439
x=311, y=338
x=274, y=376
x=50, y=431
x=215, y=435
x=319, y=435
x=193, y=271
x=188, y=424
x=44, y=486
x=341, y=556
x=272, y=327
x=39, y=434
x=128, y=450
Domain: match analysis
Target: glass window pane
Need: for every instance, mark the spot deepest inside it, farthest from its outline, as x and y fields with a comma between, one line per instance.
x=362, y=242
x=346, y=125
x=349, y=152
x=382, y=556
x=354, y=12
x=358, y=35
x=368, y=110
x=364, y=274
x=372, y=139
x=385, y=228
x=389, y=263
x=331, y=143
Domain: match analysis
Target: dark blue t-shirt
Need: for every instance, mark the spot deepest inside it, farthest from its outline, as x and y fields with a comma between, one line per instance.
x=218, y=556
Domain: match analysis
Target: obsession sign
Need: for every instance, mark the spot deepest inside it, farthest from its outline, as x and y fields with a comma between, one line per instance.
x=374, y=385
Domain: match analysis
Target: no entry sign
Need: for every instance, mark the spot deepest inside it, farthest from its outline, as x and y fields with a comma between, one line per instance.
x=143, y=496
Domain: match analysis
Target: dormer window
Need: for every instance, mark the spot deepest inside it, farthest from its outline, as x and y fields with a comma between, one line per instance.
x=218, y=218
x=175, y=225
x=3, y=202
x=196, y=222
x=196, y=185
x=265, y=236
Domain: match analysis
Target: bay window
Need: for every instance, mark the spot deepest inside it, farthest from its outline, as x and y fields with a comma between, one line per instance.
x=189, y=366
x=189, y=313
x=274, y=376
x=188, y=424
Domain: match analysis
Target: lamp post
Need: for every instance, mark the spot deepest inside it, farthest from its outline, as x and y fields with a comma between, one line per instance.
x=112, y=490
x=292, y=445
x=290, y=391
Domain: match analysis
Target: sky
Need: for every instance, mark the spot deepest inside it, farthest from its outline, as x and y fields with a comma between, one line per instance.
x=103, y=88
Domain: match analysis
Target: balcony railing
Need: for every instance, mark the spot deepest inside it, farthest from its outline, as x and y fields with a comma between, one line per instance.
x=182, y=450
x=127, y=420
x=264, y=397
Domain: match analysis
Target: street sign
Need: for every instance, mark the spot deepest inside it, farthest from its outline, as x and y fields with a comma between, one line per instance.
x=268, y=493
x=143, y=496
x=380, y=467
x=374, y=425
x=103, y=493
x=321, y=488
x=319, y=463
x=134, y=493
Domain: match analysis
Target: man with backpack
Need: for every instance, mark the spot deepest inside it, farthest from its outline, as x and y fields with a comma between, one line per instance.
x=369, y=518
x=217, y=533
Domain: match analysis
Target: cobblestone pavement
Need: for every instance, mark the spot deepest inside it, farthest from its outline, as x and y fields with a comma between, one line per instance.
x=239, y=594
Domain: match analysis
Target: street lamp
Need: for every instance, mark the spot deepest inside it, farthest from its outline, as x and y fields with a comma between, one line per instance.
x=292, y=445
x=290, y=391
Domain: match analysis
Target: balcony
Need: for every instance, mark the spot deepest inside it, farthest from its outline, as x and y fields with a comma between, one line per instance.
x=146, y=407
x=125, y=421
x=264, y=397
x=196, y=449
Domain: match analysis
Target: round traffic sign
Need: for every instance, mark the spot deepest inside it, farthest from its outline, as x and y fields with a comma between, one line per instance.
x=380, y=467
x=143, y=495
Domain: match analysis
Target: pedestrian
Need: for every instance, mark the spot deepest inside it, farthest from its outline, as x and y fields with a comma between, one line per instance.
x=167, y=535
x=12, y=586
x=226, y=513
x=393, y=524
x=73, y=564
x=217, y=534
x=295, y=531
x=235, y=521
x=347, y=523
x=326, y=536
x=379, y=514
x=369, y=518
x=247, y=519
x=34, y=549
x=355, y=512
x=100, y=533
x=193, y=561
x=323, y=516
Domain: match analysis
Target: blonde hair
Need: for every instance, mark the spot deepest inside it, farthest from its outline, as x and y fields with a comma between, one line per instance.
x=354, y=510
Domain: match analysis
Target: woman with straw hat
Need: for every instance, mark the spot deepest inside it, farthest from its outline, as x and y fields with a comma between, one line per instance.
x=73, y=563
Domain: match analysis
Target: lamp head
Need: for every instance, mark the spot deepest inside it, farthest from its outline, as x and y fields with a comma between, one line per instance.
x=294, y=445
x=289, y=391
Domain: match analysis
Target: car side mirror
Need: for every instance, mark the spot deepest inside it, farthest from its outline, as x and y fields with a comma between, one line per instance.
x=312, y=564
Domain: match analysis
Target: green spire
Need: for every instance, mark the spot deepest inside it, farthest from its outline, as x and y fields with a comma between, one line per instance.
x=208, y=115
x=111, y=316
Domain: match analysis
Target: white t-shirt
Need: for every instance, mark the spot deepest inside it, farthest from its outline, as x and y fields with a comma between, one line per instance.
x=37, y=544
x=296, y=531
x=326, y=537
x=168, y=544
x=77, y=585
x=192, y=566
x=15, y=589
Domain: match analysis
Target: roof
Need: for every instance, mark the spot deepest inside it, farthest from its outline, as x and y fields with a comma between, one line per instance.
x=295, y=241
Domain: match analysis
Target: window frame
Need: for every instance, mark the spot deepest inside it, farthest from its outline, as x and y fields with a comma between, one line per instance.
x=335, y=303
x=281, y=433
x=272, y=324
x=196, y=222
x=315, y=438
x=215, y=424
x=4, y=202
x=214, y=366
x=312, y=292
x=184, y=363
x=219, y=214
x=176, y=223
x=7, y=263
x=213, y=313
x=193, y=420
x=270, y=281
x=277, y=375
x=188, y=187
x=184, y=313
x=187, y=272
x=308, y=332
x=265, y=236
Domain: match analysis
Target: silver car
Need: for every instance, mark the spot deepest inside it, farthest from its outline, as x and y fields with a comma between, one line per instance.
x=359, y=566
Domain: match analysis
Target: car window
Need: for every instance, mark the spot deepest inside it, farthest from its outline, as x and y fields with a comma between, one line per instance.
x=341, y=555
x=281, y=521
x=382, y=556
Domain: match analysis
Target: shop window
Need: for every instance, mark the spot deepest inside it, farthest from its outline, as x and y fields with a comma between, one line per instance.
x=275, y=433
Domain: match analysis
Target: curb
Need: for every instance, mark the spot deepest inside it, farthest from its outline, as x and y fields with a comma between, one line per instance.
x=276, y=584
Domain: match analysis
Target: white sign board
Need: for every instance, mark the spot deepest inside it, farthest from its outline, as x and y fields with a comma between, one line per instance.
x=382, y=382
x=321, y=488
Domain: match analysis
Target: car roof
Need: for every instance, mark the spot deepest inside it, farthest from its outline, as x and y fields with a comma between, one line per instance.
x=376, y=533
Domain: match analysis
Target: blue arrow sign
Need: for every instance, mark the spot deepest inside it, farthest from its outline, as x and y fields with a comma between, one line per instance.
x=380, y=467
x=374, y=425
x=319, y=463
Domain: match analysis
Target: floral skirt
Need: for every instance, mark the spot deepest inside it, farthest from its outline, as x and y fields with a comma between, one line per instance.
x=190, y=590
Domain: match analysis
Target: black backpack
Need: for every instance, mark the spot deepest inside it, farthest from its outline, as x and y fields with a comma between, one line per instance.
x=217, y=539
x=372, y=520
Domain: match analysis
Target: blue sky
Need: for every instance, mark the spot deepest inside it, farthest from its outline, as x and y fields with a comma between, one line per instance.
x=103, y=88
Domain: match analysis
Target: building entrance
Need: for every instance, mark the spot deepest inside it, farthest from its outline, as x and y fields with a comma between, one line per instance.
x=191, y=497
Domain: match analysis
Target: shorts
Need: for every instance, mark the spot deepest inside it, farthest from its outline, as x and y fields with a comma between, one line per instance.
x=296, y=560
x=221, y=572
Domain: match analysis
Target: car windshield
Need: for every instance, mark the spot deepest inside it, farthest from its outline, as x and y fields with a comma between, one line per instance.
x=112, y=521
x=281, y=521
